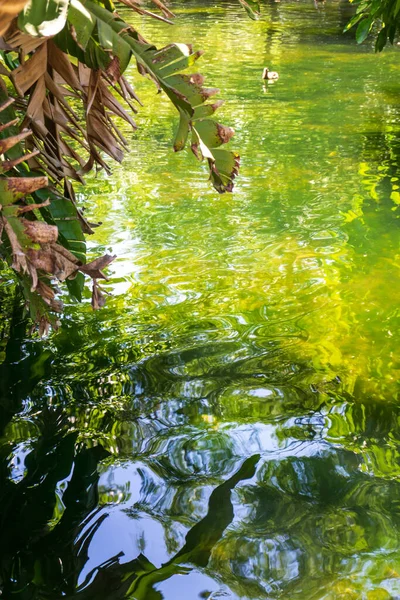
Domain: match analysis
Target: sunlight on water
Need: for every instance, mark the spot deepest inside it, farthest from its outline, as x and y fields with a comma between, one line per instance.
x=228, y=425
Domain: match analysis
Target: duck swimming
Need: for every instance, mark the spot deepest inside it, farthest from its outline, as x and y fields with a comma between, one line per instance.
x=270, y=75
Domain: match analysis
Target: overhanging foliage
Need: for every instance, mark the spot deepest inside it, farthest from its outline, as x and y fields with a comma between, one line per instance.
x=384, y=13
x=63, y=61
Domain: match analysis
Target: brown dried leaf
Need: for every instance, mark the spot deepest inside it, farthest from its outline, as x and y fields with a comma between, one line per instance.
x=84, y=74
x=45, y=291
x=164, y=9
x=61, y=120
x=67, y=150
x=9, y=164
x=21, y=186
x=9, y=9
x=128, y=92
x=29, y=72
x=48, y=295
x=44, y=326
x=60, y=93
x=93, y=269
x=35, y=107
x=195, y=149
x=119, y=134
x=198, y=79
x=34, y=276
x=100, y=134
x=6, y=104
x=225, y=133
x=50, y=260
x=114, y=70
x=62, y=64
x=114, y=106
x=23, y=41
x=19, y=259
x=38, y=127
x=142, y=11
x=9, y=124
x=65, y=253
x=92, y=89
x=11, y=141
x=40, y=232
x=24, y=209
x=98, y=299
x=3, y=70
x=208, y=92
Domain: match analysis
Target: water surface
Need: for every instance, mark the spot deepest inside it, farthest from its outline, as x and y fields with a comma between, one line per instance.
x=228, y=425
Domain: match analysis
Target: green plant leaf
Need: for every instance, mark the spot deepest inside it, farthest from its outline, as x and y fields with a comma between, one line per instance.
x=93, y=56
x=353, y=21
x=213, y=134
x=224, y=169
x=185, y=91
x=62, y=212
x=252, y=8
x=110, y=41
x=182, y=132
x=363, y=29
x=392, y=32
x=43, y=17
x=381, y=39
x=81, y=23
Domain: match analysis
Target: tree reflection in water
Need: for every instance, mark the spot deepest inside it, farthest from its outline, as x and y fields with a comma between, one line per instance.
x=50, y=513
x=117, y=500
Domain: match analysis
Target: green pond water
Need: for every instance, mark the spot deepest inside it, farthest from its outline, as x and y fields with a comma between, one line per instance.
x=228, y=426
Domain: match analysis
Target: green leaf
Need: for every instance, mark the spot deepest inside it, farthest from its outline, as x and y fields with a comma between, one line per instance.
x=197, y=143
x=252, y=8
x=353, y=22
x=375, y=7
x=43, y=17
x=180, y=65
x=381, y=39
x=109, y=40
x=225, y=169
x=91, y=39
x=182, y=133
x=63, y=213
x=186, y=92
x=81, y=22
x=213, y=134
x=170, y=53
x=363, y=29
x=6, y=196
x=206, y=110
x=93, y=56
x=75, y=286
x=392, y=32
x=147, y=55
x=187, y=86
